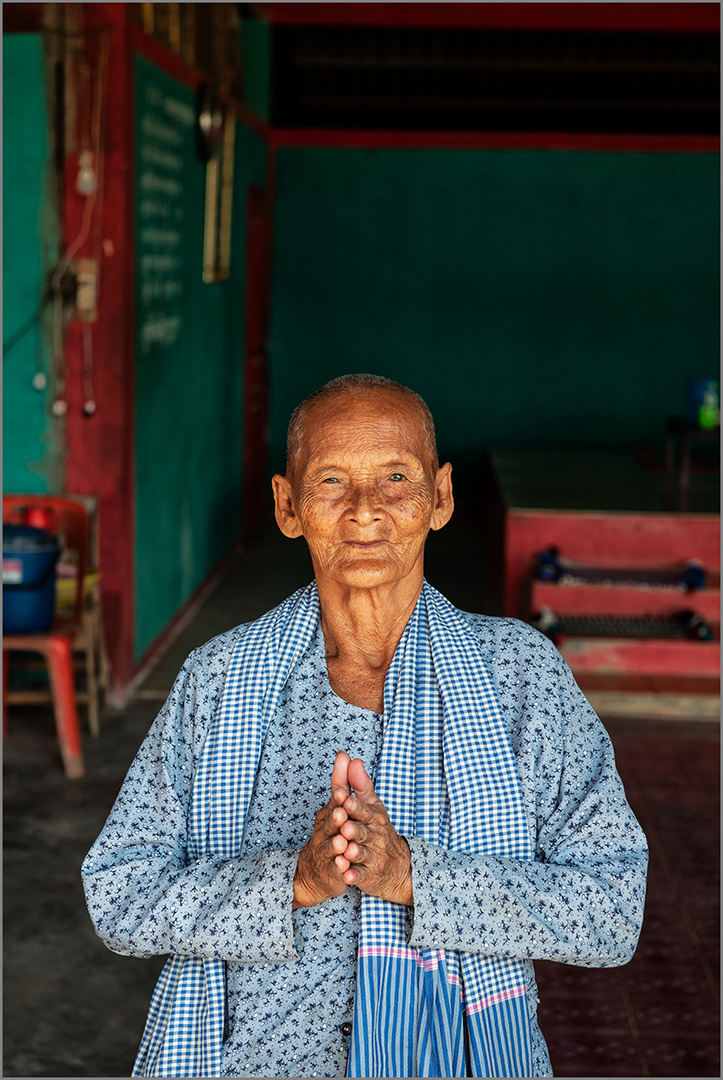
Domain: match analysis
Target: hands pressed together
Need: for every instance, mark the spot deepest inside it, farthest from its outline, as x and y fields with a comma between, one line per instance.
x=353, y=843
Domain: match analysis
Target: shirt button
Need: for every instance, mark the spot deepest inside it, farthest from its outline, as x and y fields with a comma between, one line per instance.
x=345, y=1029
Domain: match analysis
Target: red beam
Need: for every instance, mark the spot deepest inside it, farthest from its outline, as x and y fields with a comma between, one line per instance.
x=539, y=16
x=101, y=447
x=251, y=120
x=493, y=140
x=166, y=60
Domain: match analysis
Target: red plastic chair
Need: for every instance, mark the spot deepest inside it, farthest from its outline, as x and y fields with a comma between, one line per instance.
x=71, y=519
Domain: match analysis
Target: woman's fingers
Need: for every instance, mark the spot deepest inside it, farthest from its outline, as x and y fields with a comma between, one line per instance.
x=354, y=830
x=353, y=843
x=339, y=844
x=340, y=786
x=380, y=861
x=359, y=779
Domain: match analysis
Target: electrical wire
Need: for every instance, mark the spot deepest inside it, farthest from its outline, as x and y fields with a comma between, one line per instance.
x=80, y=239
x=99, y=122
x=27, y=326
x=97, y=140
x=90, y=200
x=89, y=402
x=96, y=124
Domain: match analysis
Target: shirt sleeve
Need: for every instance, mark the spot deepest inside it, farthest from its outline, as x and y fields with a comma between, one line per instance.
x=144, y=894
x=580, y=899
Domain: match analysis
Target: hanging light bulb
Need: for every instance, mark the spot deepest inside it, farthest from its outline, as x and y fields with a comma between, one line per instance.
x=86, y=181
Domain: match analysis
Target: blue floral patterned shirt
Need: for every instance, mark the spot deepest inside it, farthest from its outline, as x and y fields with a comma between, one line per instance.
x=291, y=975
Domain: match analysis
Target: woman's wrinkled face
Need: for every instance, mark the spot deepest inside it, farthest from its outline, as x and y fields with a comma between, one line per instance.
x=363, y=493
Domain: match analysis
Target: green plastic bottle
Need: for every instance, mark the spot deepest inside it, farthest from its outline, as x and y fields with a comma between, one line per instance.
x=709, y=413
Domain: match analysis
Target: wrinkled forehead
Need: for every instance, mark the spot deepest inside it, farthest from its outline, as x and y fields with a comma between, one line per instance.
x=360, y=423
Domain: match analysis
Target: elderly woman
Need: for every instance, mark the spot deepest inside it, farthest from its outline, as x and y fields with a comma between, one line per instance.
x=358, y=820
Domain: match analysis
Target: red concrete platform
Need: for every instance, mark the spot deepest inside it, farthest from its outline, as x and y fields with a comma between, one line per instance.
x=603, y=509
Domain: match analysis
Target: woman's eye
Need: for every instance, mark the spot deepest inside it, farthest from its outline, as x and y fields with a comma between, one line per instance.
x=397, y=476
x=330, y=480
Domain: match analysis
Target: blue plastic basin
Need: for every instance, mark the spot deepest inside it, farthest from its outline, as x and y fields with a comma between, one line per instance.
x=29, y=560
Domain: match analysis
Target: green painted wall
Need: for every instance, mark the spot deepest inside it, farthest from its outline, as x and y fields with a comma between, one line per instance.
x=533, y=298
x=256, y=54
x=32, y=457
x=189, y=366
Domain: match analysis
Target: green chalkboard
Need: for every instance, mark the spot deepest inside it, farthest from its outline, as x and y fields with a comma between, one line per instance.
x=534, y=298
x=189, y=359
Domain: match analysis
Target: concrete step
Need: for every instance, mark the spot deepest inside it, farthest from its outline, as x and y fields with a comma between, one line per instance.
x=647, y=656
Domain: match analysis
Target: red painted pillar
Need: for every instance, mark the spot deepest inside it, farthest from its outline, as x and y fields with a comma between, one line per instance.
x=100, y=447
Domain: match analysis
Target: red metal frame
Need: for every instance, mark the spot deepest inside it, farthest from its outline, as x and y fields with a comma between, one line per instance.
x=492, y=140
x=594, y=16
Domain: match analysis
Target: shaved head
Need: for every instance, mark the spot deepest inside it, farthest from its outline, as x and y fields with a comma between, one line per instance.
x=350, y=387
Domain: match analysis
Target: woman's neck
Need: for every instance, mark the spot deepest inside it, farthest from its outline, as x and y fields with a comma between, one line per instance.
x=362, y=627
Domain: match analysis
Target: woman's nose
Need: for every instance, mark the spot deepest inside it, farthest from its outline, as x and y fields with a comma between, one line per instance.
x=365, y=506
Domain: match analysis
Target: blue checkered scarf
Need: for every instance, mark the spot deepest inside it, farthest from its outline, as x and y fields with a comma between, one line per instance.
x=446, y=774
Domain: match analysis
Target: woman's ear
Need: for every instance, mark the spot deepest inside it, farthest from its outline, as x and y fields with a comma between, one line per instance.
x=443, y=498
x=284, y=511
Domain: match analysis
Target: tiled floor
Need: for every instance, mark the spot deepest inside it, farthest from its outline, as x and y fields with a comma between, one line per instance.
x=658, y=1015
x=74, y=1009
